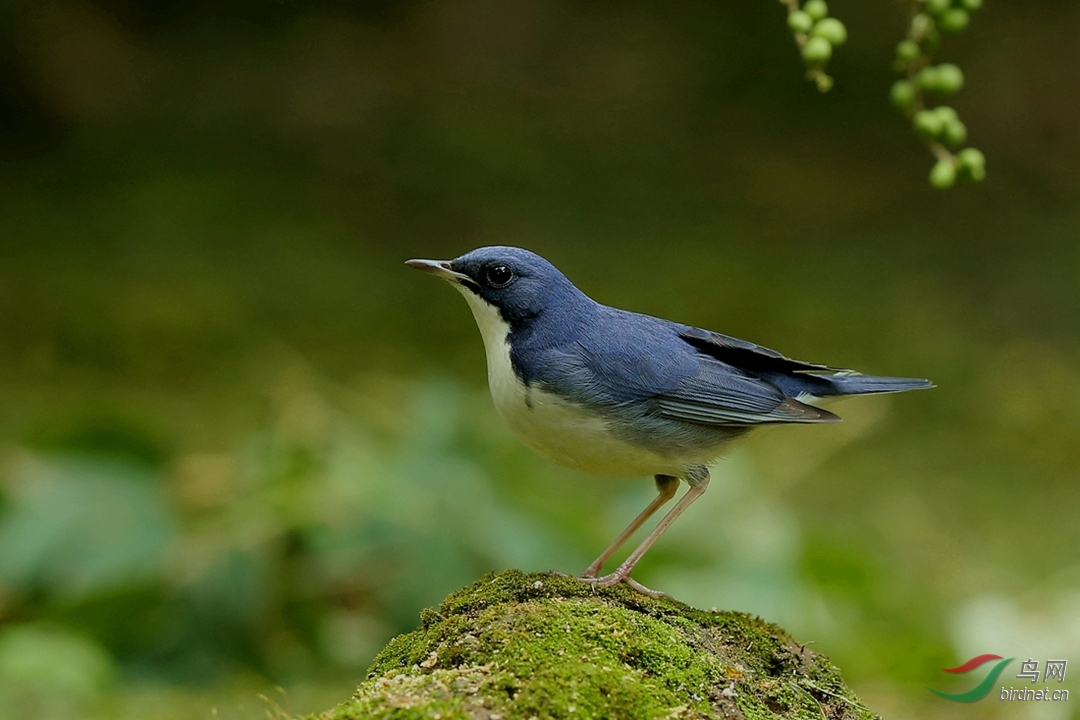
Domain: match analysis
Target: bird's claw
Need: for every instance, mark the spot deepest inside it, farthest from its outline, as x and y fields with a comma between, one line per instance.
x=655, y=594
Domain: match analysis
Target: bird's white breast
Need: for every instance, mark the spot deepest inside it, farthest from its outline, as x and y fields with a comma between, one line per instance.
x=561, y=431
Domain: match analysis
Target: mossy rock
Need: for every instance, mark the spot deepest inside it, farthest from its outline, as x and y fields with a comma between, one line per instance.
x=516, y=646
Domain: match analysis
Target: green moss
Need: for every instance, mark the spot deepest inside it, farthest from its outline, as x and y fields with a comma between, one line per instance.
x=518, y=646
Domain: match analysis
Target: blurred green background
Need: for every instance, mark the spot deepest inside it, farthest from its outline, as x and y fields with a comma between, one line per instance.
x=241, y=445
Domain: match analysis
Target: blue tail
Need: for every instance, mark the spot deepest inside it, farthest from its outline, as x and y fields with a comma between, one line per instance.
x=841, y=383
x=856, y=384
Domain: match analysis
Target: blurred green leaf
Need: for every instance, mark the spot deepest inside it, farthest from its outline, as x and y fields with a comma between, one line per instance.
x=78, y=526
x=44, y=669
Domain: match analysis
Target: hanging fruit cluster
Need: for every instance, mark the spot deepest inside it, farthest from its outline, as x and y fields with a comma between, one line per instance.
x=816, y=34
x=940, y=127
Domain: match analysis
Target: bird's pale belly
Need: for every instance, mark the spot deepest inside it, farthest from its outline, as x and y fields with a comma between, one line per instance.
x=571, y=436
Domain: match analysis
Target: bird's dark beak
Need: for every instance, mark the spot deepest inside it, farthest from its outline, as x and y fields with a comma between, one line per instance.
x=438, y=268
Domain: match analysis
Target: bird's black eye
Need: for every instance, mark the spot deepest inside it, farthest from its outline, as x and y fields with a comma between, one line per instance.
x=499, y=276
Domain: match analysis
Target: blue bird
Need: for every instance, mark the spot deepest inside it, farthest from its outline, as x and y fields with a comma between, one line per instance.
x=613, y=392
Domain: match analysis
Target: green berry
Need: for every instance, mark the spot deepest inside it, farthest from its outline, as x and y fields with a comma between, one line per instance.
x=971, y=158
x=928, y=123
x=946, y=113
x=816, y=9
x=943, y=174
x=954, y=20
x=928, y=79
x=936, y=7
x=972, y=163
x=817, y=50
x=832, y=30
x=902, y=94
x=971, y=5
x=954, y=133
x=950, y=78
x=908, y=50
x=799, y=22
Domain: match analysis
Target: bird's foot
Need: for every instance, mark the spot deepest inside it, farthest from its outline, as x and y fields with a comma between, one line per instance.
x=617, y=577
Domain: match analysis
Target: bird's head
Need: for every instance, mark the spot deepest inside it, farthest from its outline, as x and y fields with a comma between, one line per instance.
x=518, y=283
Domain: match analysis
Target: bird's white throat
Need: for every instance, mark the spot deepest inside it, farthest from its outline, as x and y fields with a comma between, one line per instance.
x=505, y=386
x=560, y=430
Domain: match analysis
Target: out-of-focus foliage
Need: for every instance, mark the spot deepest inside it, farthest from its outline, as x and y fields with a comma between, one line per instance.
x=300, y=551
x=241, y=444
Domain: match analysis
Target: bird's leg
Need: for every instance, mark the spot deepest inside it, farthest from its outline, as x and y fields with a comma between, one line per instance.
x=699, y=481
x=666, y=485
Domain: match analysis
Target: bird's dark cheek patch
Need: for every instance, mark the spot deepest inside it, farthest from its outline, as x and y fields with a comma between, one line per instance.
x=471, y=286
x=528, y=398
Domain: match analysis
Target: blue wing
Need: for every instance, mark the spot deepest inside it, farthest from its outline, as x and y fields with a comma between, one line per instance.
x=639, y=361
